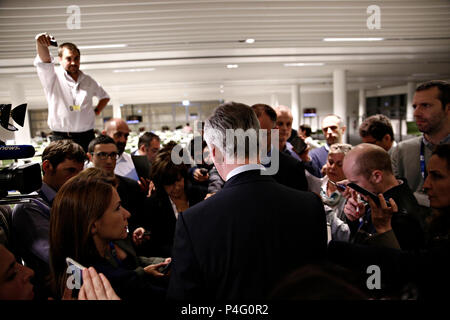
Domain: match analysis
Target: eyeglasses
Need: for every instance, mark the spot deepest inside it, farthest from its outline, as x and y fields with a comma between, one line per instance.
x=104, y=155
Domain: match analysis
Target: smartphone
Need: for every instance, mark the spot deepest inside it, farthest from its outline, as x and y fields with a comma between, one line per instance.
x=365, y=192
x=166, y=268
x=53, y=42
x=75, y=270
x=204, y=171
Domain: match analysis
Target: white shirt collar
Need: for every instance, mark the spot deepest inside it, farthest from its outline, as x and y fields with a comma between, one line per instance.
x=244, y=168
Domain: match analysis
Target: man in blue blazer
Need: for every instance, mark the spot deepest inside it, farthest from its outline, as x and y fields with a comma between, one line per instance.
x=239, y=243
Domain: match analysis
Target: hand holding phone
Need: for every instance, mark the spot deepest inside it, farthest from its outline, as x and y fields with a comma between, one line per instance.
x=53, y=41
x=75, y=280
x=364, y=192
x=166, y=268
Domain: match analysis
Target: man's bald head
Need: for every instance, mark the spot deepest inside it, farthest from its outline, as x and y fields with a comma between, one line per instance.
x=365, y=158
x=117, y=129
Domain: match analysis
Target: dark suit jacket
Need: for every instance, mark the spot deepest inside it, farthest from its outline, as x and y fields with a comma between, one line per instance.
x=240, y=242
x=291, y=173
x=159, y=219
x=132, y=199
x=142, y=166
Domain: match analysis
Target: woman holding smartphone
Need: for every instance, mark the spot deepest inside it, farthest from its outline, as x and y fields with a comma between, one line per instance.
x=87, y=221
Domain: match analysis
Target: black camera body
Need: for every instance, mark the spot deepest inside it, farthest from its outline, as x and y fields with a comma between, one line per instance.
x=24, y=178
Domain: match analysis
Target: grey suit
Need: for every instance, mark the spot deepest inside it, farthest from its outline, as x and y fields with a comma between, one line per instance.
x=406, y=162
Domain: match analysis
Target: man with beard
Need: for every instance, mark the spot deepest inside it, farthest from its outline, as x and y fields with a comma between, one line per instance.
x=333, y=130
x=431, y=105
x=118, y=130
x=69, y=93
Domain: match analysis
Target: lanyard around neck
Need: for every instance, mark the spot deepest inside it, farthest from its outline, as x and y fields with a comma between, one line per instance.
x=423, y=167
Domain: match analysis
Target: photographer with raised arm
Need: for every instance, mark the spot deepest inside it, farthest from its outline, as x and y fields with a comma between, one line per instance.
x=69, y=92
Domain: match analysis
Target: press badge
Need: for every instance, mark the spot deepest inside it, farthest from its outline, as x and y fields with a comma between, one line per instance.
x=75, y=108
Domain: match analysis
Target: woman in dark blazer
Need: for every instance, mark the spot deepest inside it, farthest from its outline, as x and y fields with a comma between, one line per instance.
x=173, y=194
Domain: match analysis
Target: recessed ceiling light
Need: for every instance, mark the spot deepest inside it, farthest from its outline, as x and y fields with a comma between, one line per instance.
x=353, y=39
x=186, y=103
x=232, y=66
x=103, y=46
x=222, y=91
x=134, y=70
x=250, y=41
x=304, y=64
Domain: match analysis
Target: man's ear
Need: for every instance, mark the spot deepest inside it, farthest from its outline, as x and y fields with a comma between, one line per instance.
x=143, y=148
x=387, y=138
x=216, y=155
x=47, y=166
x=343, y=128
x=89, y=156
x=377, y=176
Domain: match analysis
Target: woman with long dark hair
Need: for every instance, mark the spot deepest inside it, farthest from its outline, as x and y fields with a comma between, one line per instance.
x=87, y=222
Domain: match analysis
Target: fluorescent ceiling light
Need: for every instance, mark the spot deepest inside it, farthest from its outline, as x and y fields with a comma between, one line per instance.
x=134, y=70
x=103, y=46
x=304, y=64
x=250, y=41
x=353, y=39
x=232, y=66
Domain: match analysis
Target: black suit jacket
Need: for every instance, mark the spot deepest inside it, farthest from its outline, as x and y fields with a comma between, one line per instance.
x=132, y=199
x=142, y=166
x=159, y=218
x=240, y=242
x=291, y=172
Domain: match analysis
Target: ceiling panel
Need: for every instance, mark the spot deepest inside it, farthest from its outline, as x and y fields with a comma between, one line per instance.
x=189, y=43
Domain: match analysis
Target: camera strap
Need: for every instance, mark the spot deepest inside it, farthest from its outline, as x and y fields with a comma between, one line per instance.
x=423, y=167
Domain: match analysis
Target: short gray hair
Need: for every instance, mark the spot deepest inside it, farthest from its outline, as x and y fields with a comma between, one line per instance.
x=340, y=148
x=232, y=116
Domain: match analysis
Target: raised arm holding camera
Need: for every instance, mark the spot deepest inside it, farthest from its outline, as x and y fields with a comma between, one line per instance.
x=69, y=92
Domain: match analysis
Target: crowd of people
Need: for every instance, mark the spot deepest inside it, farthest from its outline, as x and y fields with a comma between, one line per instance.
x=298, y=221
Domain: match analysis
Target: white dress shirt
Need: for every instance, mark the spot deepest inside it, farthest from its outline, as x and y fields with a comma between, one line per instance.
x=62, y=92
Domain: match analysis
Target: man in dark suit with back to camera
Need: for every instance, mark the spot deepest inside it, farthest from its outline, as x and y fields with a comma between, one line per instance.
x=239, y=243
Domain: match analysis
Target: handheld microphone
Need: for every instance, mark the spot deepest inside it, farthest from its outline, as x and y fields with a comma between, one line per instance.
x=16, y=152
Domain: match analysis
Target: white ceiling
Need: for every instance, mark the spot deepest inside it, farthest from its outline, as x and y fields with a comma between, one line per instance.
x=189, y=44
